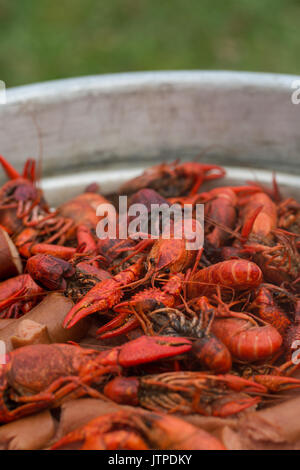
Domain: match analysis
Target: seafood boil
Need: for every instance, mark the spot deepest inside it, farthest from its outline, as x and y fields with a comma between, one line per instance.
x=165, y=333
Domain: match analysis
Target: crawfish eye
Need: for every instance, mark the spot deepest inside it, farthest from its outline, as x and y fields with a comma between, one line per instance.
x=152, y=260
x=167, y=271
x=10, y=191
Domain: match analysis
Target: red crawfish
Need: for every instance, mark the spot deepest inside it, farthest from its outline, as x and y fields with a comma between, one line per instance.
x=172, y=252
x=80, y=225
x=259, y=216
x=279, y=378
x=258, y=221
x=25, y=214
x=279, y=263
x=207, y=351
x=237, y=274
x=173, y=255
x=113, y=248
x=20, y=198
x=166, y=255
x=221, y=211
x=18, y=295
x=221, y=207
x=74, y=277
x=138, y=430
x=274, y=249
x=174, y=179
x=43, y=375
x=82, y=209
x=104, y=295
x=133, y=312
x=289, y=215
x=23, y=210
x=277, y=383
x=269, y=311
x=147, y=197
x=85, y=244
x=187, y=392
x=245, y=341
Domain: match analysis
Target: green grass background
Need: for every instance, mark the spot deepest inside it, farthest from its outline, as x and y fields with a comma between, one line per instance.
x=49, y=39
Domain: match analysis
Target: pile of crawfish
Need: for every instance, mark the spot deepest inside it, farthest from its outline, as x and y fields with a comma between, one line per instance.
x=155, y=330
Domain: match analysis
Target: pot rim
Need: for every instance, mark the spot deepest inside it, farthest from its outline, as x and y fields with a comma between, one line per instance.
x=152, y=79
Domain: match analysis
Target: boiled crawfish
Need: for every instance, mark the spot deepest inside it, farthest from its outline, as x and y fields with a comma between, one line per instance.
x=41, y=376
x=24, y=212
x=140, y=429
x=18, y=295
x=187, y=392
x=174, y=179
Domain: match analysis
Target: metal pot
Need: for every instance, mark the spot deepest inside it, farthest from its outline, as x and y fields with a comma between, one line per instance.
x=108, y=128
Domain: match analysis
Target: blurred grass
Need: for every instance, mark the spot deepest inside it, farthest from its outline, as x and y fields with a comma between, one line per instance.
x=48, y=39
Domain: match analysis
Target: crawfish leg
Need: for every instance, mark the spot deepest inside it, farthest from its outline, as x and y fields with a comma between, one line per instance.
x=198, y=182
x=23, y=410
x=81, y=385
x=59, y=389
x=78, y=388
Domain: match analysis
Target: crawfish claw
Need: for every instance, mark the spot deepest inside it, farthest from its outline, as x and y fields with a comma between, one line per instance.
x=118, y=326
x=151, y=348
x=101, y=297
x=277, y=383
